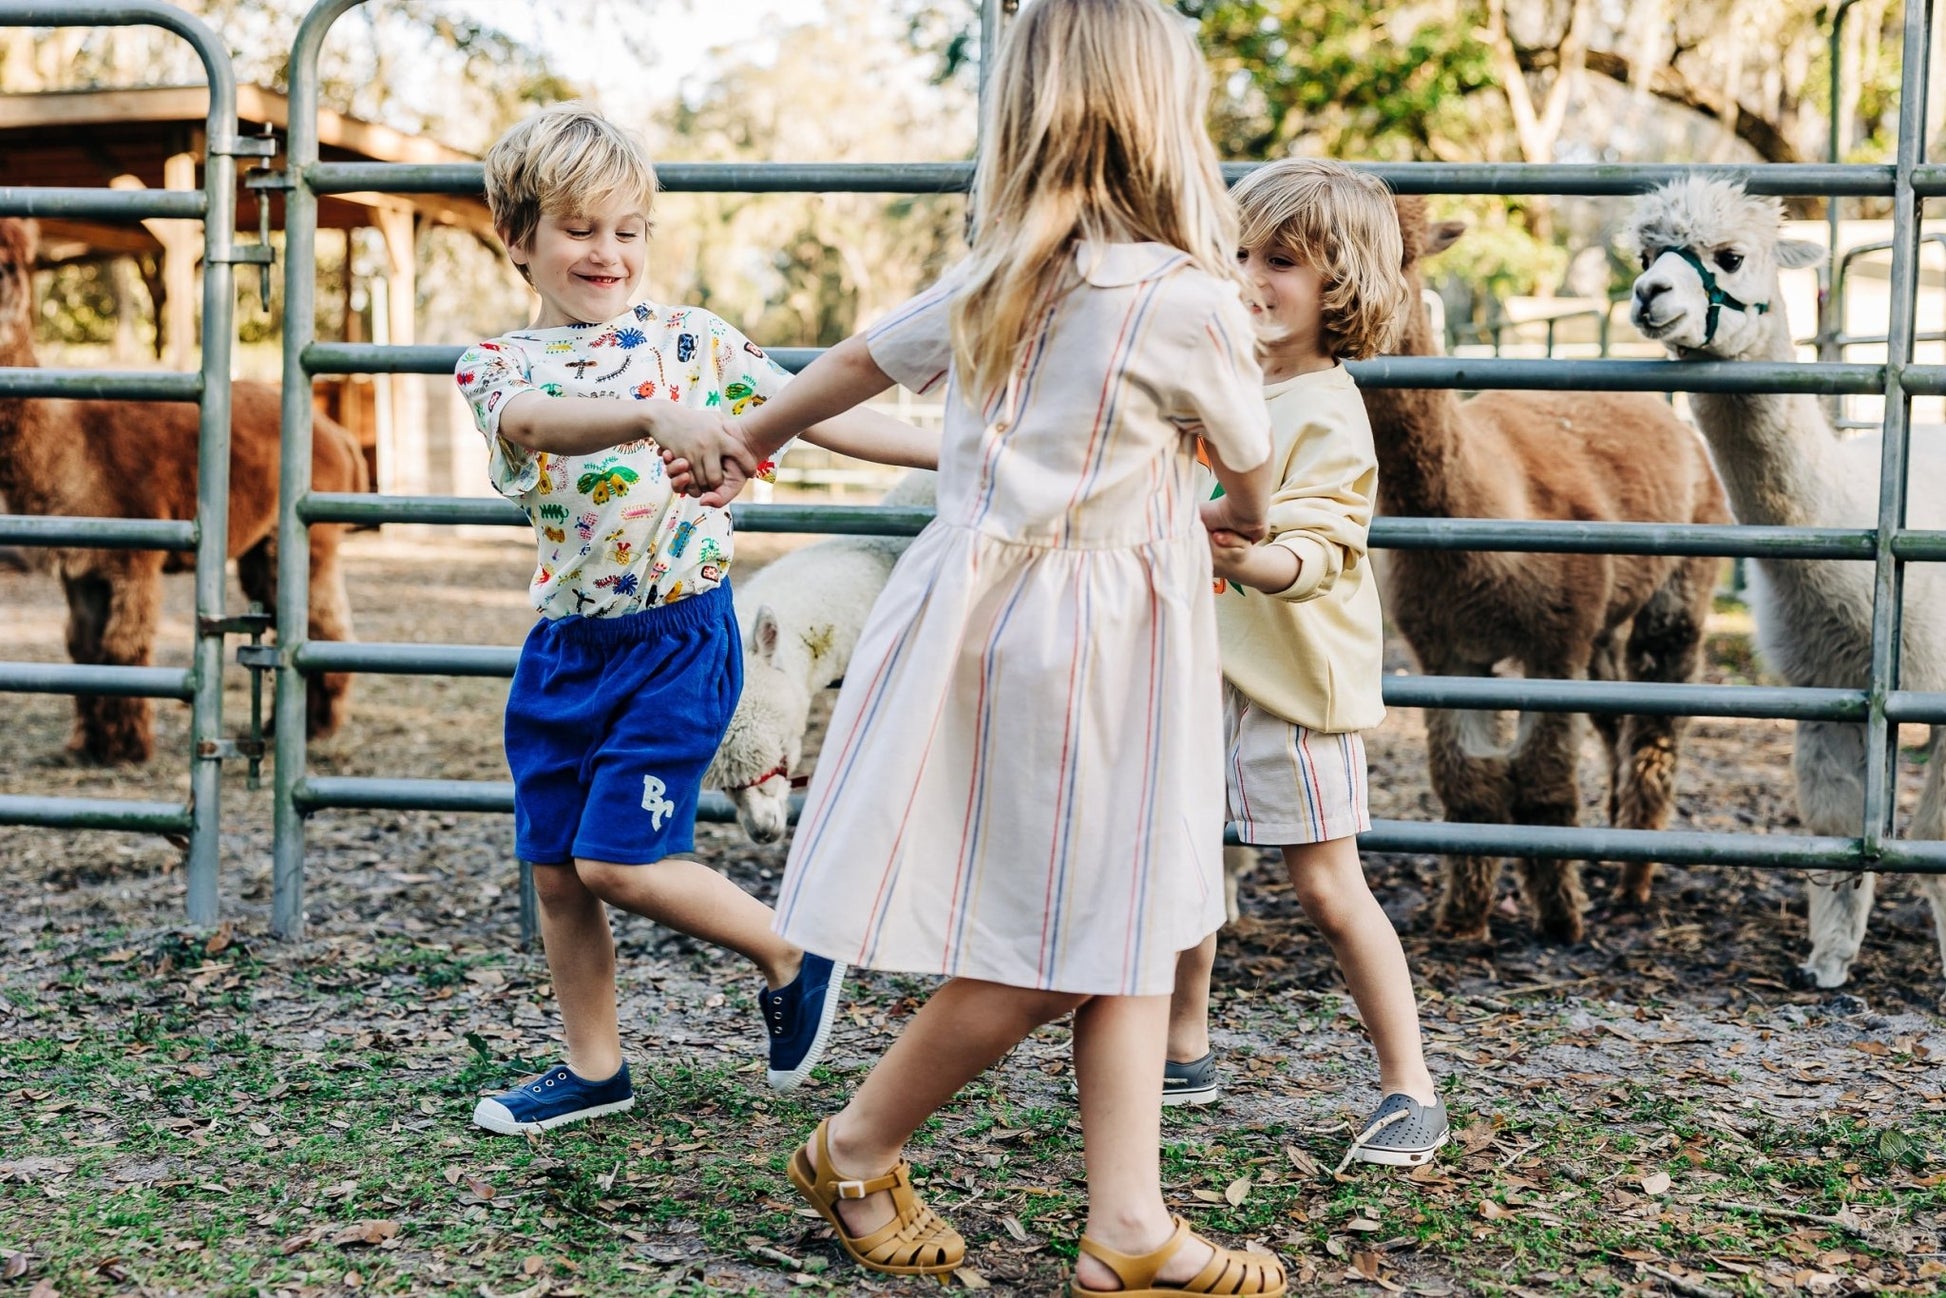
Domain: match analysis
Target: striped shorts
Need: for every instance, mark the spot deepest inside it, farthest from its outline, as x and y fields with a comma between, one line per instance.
x=1287, y=784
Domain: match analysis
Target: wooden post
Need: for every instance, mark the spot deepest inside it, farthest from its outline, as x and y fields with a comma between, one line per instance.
x=409, y=461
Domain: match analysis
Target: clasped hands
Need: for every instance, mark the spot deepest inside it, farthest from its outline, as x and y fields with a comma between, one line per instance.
x=704, y=455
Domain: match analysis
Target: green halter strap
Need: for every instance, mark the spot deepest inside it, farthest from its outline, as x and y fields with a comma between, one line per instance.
x=1718, y=299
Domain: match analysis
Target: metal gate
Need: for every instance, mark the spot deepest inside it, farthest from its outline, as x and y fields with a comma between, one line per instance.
x=201, y=685
x=1889, y=546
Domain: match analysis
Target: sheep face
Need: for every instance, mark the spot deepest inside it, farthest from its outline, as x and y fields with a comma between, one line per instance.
x=762, y=747
x=1719, y=309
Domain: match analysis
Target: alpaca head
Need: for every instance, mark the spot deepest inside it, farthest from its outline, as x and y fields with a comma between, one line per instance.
x=17, y=246
x=1710, y=255
x=1423, y=238
x=765, y=738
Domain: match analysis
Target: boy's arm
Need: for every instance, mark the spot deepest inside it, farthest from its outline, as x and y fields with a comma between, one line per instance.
x=1322, y=512
x=589, y=425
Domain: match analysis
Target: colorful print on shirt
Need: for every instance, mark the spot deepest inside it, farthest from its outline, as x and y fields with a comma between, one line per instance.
x=611, y=537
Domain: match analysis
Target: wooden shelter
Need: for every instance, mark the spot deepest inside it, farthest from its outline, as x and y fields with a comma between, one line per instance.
x=153, y=137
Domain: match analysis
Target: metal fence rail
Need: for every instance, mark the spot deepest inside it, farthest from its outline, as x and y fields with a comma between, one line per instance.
x=208, y=535
x=1888, y=545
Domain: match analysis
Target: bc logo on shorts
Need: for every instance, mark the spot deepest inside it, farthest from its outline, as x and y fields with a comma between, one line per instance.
x=654, y=802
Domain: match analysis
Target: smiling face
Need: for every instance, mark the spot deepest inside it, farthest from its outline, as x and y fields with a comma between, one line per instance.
x=585, y=266
x=1289, y=312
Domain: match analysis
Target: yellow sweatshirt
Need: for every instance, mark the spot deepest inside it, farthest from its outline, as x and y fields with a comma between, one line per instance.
x=1313, y=653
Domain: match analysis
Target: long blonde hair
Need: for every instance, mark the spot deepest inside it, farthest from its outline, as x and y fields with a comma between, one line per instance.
x=1093, y=131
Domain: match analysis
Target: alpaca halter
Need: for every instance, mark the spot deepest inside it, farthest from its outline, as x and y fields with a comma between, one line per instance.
x=781, y=769
x=1718, y=299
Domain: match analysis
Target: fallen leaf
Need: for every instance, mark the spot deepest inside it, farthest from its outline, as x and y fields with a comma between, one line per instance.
x=1237, y=1191
x=452, y=1175
x=298, y=1243
x=1477, y=1135
x=533, y=1264
x=260, y=1128
x=1013, y=1227
x=44, y=1289
x=342, y=1190
x=479, y=1187
x=1656, y=1184
x=14, y=1267
x=1302, y=1161
x=366, y=1232
x=1493, y=1211
x=1362, y=1224
x=972, y=1279
x=1208, y=1196
x=219, y=941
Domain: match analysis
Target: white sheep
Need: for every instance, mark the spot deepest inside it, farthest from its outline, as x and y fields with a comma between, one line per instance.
x=800, y=617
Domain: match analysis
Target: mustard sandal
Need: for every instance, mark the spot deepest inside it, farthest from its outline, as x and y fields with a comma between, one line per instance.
x=1229, y=1272
x=915, y=1242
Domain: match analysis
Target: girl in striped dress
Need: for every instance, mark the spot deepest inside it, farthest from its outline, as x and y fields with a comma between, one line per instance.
x=1022, y=785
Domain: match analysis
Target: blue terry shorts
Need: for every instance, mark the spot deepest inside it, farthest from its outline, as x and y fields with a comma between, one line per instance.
x=611, y=724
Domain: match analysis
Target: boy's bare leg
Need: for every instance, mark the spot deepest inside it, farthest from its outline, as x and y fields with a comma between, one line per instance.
x=1330, y=884
x=581, y=960
x=1119, y=1043
x=966, y=1028
x=691, y=898
x=1189, y=1005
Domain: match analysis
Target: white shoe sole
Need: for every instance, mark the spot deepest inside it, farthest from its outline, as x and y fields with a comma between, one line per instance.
x=1192, y=1095
x=790, y=1081
x=496, y=1117
x=1399, y=1157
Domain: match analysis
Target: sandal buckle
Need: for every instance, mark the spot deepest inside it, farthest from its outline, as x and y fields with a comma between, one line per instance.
x=851, y=1189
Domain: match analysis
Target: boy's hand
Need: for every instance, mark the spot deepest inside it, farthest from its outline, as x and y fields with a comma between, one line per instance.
x=705, y=441
x=683, y=479
x=1219, y=516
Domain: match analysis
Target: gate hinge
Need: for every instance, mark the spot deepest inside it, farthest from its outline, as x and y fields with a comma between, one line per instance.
x=258, y=657
x=224, y=750
x=248, y=254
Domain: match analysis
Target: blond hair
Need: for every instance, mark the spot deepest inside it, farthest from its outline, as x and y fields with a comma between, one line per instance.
x=1093, y=131
x=1343, y=225
x=565, y=160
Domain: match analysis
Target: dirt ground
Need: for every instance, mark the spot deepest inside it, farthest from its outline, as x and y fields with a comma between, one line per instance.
x=1655, y=1110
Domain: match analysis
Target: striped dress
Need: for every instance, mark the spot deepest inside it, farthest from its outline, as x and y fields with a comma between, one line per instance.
x=1023, y=777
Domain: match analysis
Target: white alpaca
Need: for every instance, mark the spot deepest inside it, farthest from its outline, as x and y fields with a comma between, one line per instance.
x=1782, y=463
x=800, y=617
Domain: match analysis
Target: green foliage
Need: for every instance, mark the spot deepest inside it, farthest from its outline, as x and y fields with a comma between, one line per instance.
x=1352, y=78
x=1499, y=256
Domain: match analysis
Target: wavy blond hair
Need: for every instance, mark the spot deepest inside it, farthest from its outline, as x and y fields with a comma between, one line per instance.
x=565, y=160
x=1093, y=131
x=1343, y=225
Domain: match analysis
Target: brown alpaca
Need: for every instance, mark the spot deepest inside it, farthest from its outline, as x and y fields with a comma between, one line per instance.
x=122, y=459
x=1586, y=456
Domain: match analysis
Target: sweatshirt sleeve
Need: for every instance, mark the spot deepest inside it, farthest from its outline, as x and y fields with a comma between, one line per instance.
x=1322, y=511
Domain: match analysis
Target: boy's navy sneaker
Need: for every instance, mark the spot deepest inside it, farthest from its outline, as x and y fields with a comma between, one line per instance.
x=797, y=1019
x=555, y=1097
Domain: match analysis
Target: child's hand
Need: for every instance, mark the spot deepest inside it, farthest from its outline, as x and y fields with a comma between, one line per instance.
x=704, y=441
x=1229, y=555
x=1219, y=516
x=683, y=479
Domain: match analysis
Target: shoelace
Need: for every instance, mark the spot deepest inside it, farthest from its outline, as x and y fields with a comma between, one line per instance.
x=1358, y=1141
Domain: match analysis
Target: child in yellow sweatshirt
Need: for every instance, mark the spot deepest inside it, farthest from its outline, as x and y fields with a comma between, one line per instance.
x=1299, y=624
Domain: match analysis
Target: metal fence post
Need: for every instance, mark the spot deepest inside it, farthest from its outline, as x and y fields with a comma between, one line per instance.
x=210, y=532
x=1881, y=734
x=294, y=483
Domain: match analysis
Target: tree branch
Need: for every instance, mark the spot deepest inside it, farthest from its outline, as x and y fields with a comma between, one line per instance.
x=1668, y=84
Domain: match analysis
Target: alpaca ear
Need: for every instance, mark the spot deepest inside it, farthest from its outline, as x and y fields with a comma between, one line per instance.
x=765, y=633
x=1795, y=254
x=1442, y=235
